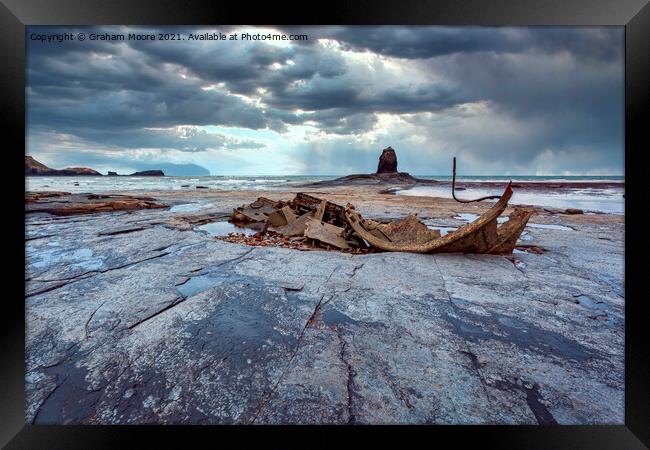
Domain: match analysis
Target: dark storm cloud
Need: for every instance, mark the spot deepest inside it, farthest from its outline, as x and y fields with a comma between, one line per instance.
x=426, y=42
x=108, y=89
x=348, y=97
x=567, y=102
x=135, y=85
x=563, y=86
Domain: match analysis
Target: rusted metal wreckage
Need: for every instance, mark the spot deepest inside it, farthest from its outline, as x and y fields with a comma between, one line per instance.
x=308, y=219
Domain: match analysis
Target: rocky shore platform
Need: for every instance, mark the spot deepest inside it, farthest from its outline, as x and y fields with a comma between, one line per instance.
x=142, y=316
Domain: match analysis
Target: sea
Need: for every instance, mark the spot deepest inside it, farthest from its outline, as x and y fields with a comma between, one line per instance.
x=597, y=200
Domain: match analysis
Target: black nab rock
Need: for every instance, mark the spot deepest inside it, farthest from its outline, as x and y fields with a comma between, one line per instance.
x=386, y=174
x=387, y=161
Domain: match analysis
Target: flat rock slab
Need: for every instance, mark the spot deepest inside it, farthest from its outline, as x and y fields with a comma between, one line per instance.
x=130, y=319
x=65, y=204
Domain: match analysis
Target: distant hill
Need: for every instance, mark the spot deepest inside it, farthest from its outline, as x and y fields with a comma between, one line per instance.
x=148, y=173
x=176, y=170
x=33, y=167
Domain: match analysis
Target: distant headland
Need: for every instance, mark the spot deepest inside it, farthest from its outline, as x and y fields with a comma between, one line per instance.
x=35, y=168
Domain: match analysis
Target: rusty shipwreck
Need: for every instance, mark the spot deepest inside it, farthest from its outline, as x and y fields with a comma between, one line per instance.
x=308, y=222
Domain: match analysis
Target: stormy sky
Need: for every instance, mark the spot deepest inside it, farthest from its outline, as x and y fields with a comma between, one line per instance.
x=505, y=101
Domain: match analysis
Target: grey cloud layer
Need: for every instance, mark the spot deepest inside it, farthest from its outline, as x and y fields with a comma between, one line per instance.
x=562, y=86
x=426, y=42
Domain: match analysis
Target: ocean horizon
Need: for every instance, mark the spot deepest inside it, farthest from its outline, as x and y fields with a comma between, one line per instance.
x=87, y=183
x=593, y=199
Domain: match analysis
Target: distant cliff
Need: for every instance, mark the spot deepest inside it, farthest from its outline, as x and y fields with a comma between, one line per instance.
x=33, y=167
x=174, y=169
x=143, y=173
x=149, y=173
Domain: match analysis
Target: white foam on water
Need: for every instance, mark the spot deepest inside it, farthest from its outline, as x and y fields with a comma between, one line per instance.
x=97, y=184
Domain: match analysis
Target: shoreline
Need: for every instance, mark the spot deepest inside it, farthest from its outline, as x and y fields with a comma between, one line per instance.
x=146, y=313
x=588, y=196
x=341, y=194
x=369, y=200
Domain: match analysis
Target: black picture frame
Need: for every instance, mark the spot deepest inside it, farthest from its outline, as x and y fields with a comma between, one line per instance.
x=634, y=15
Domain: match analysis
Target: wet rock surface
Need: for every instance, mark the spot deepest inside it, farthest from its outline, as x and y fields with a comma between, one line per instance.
x=391, y=181
x=143, y=317
x=66, y=204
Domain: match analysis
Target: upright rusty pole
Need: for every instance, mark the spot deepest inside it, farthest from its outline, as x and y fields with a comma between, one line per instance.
x=453, y=189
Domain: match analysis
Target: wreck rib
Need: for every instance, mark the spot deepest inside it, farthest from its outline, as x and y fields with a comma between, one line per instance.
x=453, y=189
x=479, y=236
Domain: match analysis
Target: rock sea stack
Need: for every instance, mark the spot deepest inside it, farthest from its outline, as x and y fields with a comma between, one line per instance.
x=387, y=161
x=386, y=174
